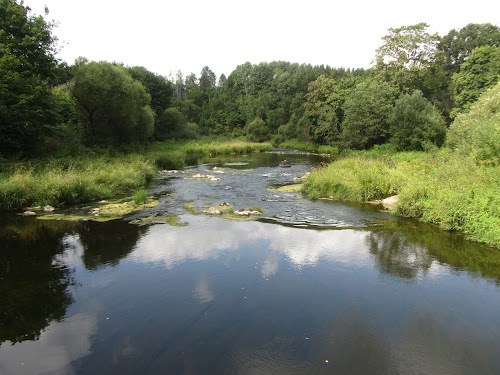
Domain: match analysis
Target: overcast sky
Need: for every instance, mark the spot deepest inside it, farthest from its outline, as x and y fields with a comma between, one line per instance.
x=165, y=36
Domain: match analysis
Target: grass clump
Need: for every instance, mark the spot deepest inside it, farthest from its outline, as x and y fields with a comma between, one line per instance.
x=140, y=197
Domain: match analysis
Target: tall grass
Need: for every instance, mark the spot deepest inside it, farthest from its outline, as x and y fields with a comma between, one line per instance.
x=442, y=188
x=59, y=182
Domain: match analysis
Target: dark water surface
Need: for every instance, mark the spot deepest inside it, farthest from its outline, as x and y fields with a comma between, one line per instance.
x=312, y=287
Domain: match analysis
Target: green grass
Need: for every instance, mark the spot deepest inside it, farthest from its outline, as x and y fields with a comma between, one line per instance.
x=72, y=180
x=442, y=188
x=84, y=179
x=295, y=144
x=177, y=155
x=140, y=196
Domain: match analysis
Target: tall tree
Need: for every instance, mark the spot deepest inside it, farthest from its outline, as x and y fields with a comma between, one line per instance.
x=207, y=83
x=115, y=107
x=367, y=112
x=480, y=71
x=27, y=66
x=406, y=55
x=457, y=45
x=158, y=87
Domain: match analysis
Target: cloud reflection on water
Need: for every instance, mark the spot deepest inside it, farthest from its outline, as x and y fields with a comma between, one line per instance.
x=301, y=247
x=59, y=344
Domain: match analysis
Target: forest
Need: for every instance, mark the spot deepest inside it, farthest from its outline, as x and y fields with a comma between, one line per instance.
x=418, y=84
x=422, y=92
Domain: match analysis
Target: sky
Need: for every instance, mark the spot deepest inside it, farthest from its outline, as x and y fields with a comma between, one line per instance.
x=166, y=36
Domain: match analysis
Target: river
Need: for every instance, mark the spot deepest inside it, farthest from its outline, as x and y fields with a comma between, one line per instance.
x=307, y=287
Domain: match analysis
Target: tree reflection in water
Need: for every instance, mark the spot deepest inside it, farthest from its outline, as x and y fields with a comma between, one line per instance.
x=404, y=249
x=33, y=282
x=107, y=243
x=397, y=256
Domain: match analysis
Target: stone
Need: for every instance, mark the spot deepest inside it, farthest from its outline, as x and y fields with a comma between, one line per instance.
x=213, y=211
x=390, y=202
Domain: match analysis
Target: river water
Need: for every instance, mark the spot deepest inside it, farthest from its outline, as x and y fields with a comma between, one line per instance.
x=309, y=287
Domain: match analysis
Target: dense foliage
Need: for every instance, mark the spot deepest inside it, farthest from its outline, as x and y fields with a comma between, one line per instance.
x=47, y=105
x=28, y=109
x=115, y=107
x=477, y=133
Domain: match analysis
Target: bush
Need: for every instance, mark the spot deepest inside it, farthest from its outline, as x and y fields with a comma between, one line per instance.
x=257, y=131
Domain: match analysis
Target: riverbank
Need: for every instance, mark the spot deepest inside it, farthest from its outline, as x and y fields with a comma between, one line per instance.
x=441, y=187
x=85, y=178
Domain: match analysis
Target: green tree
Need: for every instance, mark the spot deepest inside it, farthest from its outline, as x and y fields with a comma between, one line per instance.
x=114, y=106
x=415, y=122
x=27, y=66
x=257, y=131
x=406, y=55
x=479, y=72
x=367, y=112
x=458, y=45
x=324, y=101
x=207, y=83
x=158, y=87
x=170, y=124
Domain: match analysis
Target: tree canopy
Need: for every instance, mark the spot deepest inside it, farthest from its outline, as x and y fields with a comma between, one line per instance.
x=115, y=107
x=27, y=66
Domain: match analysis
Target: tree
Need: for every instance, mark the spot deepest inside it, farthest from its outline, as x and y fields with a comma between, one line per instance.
x=415, y=122
x=480, y=71
x=406, y=55
x=170, y=124
x=158, y=87
x=324, y=101
x=207, y=83
x=114, y=106
x=27, y=66
x=458, y=45
x=257, y=131
x=367, y=112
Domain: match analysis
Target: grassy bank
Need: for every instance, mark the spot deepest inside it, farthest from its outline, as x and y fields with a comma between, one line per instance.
x=79, y=179
x=442, y=188
x=82, y=179
x=295, y=144
x=176, y=155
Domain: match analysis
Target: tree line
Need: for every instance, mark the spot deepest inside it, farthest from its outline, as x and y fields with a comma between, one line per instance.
x=417, y=84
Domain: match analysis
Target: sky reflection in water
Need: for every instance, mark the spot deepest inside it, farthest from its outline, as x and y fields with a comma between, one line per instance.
x=229, y=297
